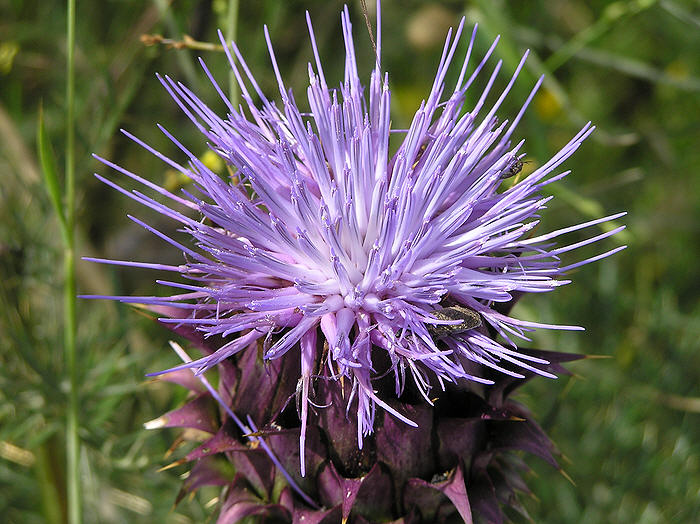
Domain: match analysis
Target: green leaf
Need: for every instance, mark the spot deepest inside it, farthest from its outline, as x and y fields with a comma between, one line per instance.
x=48, y=168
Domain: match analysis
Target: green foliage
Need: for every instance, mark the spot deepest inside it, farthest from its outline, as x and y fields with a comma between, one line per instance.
x=629, y=424
x=49, y=170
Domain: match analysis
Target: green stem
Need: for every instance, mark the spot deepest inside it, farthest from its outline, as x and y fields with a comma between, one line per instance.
x=50, y=497
x=69, y=290
x=231, y=26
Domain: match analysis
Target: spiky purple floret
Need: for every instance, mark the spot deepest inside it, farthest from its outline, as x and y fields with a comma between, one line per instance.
x=327, y=232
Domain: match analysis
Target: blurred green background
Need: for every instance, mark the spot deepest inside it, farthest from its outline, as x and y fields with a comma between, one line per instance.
x=628, y=426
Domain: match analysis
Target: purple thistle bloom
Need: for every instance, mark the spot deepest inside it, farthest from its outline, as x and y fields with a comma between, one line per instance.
x=335, y=251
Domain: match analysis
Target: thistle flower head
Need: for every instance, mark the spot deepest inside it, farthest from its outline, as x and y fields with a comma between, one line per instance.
x=361, y=250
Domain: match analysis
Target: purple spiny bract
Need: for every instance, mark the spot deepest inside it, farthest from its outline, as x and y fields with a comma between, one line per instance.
x=331, y=249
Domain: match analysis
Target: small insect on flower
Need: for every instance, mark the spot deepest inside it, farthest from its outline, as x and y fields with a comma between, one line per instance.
x=467, y=317
x=513, y=169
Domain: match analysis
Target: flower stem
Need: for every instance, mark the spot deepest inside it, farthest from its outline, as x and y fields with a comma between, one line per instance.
x=50, y=497
x=69, y=290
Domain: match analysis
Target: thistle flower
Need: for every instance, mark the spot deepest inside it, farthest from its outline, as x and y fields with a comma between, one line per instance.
x=358, y=264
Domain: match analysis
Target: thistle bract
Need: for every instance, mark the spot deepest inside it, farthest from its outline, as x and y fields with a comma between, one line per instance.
x=458, y=465
x=360, y=252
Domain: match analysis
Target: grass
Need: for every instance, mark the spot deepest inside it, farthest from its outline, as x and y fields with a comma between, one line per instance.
x=628, y=425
